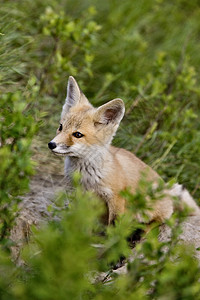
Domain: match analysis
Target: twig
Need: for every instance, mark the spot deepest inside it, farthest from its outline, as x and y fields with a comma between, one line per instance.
x=137, y=100
x=196, y=188
x=149, y=129
x=159, y=160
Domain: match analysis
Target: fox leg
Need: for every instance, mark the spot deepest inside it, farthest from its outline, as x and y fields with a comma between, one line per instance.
x=162, y=210
x=116, y=206
x=111, y=213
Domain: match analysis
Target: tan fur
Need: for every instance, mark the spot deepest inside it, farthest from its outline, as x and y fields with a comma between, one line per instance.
x=105, y=169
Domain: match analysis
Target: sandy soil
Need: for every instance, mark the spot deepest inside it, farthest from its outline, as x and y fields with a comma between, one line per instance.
x=34, y=208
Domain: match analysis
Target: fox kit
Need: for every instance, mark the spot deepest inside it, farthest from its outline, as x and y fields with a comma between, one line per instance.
x=84, y=137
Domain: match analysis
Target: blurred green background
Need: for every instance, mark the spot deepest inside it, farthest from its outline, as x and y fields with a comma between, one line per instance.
x=145, y=52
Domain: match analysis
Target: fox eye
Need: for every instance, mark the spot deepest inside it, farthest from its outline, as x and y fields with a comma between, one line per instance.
x=60, y=128
x=78, y=135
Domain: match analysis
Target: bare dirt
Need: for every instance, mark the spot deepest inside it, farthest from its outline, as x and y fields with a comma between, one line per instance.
x=35, y=207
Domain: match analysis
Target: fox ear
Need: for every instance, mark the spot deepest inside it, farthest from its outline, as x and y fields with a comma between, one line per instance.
x=111, y=112
x=73, y=93
x=74, y=96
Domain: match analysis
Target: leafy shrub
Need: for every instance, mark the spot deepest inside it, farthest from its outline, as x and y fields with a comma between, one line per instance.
x=17, y=126
x=17, y=129
x=66, y=258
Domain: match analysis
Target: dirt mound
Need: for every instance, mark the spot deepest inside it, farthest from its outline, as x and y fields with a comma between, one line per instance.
x=34, y=208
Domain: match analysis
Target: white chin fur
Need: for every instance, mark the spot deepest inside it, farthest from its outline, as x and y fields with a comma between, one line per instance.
x=59, y=153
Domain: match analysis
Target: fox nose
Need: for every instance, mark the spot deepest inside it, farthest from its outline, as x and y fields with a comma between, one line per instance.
x=52, y=145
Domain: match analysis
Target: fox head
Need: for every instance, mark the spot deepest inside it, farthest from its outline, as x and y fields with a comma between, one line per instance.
x=84, y=128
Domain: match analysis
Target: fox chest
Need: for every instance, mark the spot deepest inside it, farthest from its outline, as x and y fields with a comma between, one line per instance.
x=92, y=177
